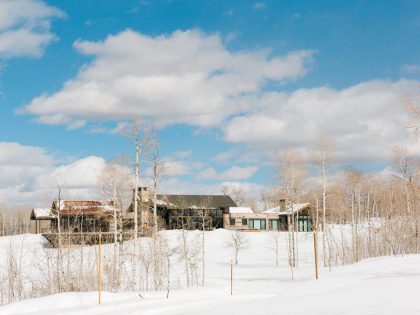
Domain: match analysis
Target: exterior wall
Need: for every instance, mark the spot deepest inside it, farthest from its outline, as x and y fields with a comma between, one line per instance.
x=239, y=217
x=40, y=226
x=233, y=221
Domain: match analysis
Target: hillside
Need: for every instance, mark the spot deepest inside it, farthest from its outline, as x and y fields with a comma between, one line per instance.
x=384, y=285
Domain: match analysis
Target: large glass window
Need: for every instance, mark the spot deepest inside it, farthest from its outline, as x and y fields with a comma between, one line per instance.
x=305, y=223
x=256, y=224
x=274, y=224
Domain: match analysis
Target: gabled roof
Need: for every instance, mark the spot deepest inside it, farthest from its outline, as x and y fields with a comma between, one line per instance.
x=83, y=206
x=42, y=214
x=195, y=201
x=295, y=208
x=240, y=210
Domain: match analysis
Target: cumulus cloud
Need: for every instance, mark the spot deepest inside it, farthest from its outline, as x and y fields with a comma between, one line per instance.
x=31, y=175
x=25, y=27
x=362, y=119
x=233, y=173
x=185, y=77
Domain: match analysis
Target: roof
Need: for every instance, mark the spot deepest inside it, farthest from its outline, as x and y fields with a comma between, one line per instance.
x=295, y=208
x=240, y=210
x=83, y=206
x=42, y=214
x=195, y=201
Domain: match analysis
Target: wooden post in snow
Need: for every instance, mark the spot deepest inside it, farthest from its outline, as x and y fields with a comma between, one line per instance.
x=99, y=268
x=315, y=254
x=231, y=278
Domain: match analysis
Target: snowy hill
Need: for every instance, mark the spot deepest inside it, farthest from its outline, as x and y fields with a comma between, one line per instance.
x=384, y=285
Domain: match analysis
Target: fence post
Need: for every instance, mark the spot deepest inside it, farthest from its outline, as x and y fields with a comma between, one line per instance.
x=231, y=278
x=315, y=254
x=99, y=268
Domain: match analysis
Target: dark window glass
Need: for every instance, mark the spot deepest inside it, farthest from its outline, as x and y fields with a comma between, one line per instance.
x=244, y=221
x=232, y=222
x=262, y=224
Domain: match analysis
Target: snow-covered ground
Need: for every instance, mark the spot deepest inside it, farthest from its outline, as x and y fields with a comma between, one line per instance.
x=384, y=285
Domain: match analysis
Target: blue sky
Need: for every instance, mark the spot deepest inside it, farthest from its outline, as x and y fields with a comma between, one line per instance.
x=232, y=83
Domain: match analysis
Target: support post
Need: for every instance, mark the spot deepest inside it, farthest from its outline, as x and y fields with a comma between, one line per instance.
x=231, y=278
x=315, y=254
x=99, y=267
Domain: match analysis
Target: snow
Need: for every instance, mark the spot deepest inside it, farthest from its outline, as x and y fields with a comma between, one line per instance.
x=383, y=285
x=42, y=213
x=240, y=210
x=295, y=208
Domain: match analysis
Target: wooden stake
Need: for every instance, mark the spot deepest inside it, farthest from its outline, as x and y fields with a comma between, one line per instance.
x=231, y=278
x=315, y=254
x=99, y=268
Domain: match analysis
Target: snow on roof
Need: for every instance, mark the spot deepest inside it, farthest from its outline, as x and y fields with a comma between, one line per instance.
x=240, y=210
x=41, y=213
x=195, y=201
x=295, y=208
x=85, y=206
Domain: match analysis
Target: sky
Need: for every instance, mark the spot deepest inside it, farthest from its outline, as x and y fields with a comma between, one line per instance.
x=226, y=84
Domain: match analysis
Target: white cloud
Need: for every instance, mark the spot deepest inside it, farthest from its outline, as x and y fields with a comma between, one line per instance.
x=183, y=154
x=225, y=157
x=185, y=77
x=259, y=5
x=233, y=173
x=25, y=27
x=410, y=69
x=362, y=119
x=31, y=175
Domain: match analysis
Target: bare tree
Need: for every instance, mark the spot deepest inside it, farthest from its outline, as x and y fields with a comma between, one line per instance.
x=275, y=242
x=237, y=242
x=115, y=182
x=160, y=168
x=142, y=138
x=236, y=192
x=291, y=172
x=205, y=222
x=325, y=148
x=412, y=107
x=406, y=167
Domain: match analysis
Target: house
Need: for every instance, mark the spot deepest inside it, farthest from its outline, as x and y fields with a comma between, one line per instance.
x=78, y=221
x=217, y=211
x=278, y=218
x=298, y=211
x=183, y=211
x=42, y=218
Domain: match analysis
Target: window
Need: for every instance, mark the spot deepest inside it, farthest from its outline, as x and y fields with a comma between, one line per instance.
x=256, y=224
x=263, y=225
x=305, y=224
x=244, y=221
x=274, y=224
x=232, y=222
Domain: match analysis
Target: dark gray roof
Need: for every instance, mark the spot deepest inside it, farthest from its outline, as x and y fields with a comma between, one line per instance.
x=195, y=201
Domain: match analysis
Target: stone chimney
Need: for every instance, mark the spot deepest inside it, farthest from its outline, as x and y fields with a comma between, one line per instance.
x=142, y=194
x=283, y=204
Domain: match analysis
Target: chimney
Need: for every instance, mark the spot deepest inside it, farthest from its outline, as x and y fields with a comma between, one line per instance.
x=142, y=194
x=283, y=204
